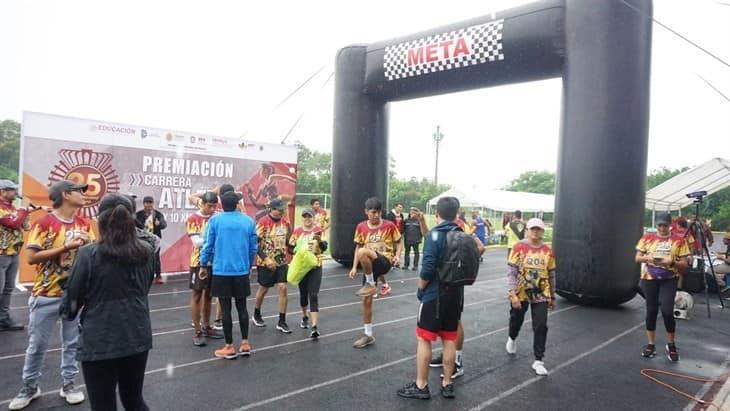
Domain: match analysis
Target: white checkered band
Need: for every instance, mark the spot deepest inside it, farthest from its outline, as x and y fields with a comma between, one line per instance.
x=459, y=48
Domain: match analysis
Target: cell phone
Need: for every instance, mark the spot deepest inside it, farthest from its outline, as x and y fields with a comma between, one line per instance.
x=657, y=259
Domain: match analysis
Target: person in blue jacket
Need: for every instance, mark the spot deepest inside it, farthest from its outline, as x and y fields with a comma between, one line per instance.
x=231, y=237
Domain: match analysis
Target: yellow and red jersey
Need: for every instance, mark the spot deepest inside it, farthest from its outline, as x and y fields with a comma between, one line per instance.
x=465, y=227
x=12, y=224
x=672, y=245
x=273, y=236
x=535, y=271
x=51, y=232
x=301, y=233
x=196, y=226
x=321, y=218
x=381, y=239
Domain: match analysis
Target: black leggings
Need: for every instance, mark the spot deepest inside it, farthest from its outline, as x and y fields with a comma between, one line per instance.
x=309, y=289
x=660, y=293
x=413, y=247
x=226, y=309
x=539, y=313
x=102, y=378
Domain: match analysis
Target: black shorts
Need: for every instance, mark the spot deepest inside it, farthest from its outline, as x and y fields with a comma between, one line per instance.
x=446, y=325
x=267, y=278
x=225, y=286
x=196, y=283
x=381, y=266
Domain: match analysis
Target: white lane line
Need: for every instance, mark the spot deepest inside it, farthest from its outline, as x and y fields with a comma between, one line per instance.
x=369, y=370
x=188, y=329
x=706, y=386
x=533, y=380
x=271, y=347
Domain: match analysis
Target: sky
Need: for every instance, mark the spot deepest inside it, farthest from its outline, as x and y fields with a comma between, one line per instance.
x=224, y=67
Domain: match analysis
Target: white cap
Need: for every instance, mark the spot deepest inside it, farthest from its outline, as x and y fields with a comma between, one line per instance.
x=535, y=222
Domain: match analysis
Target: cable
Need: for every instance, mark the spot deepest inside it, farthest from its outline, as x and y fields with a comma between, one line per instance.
x=305, y=111
x=675, y=33
x=299, y=87
x=713, y=87
x=645, y=372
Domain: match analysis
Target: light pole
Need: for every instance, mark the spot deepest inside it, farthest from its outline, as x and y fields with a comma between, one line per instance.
x=437, y=137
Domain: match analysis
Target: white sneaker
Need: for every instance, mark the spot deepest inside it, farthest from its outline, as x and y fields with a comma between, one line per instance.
x=72, y=394
x=27, y=394
x=511, y=346
x=539, y=368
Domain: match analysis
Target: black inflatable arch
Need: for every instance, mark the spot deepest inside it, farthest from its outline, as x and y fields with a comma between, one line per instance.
x=600, y=48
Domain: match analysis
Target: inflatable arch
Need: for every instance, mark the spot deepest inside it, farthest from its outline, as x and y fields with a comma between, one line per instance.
x=600, y=48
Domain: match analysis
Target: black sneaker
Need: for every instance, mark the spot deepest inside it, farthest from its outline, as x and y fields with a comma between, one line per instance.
x=283, y=327
x=199, y=339
x=412, y=391
x=258, y=321
x=649, y=351
x=672, y=352
x=314, y=334
x=218, y=325
x=448, y=391
x=304, y=324
x=437, y=362
x=11, y=326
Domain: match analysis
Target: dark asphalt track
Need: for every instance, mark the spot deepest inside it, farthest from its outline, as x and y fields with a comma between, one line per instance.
x=593, y=355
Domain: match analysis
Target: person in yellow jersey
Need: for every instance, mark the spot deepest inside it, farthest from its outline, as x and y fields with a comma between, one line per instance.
x=531, y=284
x=515, y=231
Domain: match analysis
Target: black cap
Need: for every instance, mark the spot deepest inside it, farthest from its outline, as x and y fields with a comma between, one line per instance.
x=224, y=188
x=664, y=218
x=230, y=199
x=148, y=199
x=276, y=204
x=55, y=193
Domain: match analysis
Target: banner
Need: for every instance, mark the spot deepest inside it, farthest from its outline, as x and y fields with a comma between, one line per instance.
x=165, y=164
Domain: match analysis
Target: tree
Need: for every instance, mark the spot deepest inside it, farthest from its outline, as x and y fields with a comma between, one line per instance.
x=314, y=172
x=541, y=182
x=9, y=149
x=661, y=175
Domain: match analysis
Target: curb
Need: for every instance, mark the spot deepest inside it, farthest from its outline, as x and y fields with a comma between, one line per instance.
x=723, y=396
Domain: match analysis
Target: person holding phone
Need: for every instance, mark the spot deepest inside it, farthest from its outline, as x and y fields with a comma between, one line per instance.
x=662, y=256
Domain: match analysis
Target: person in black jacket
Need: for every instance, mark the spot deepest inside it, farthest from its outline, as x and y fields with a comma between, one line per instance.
x=412, y=237
x=109, y=283
x=152, y=221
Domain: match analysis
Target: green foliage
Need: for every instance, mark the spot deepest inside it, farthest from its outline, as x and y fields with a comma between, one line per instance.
x=661, y=175
x=541, y=182
x=314, y=171
x=9, y=149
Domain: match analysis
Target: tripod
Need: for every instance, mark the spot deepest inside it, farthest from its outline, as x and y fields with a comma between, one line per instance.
x=699, y=235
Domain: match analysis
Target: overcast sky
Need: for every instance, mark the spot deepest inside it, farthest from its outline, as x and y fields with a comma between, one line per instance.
x=221, y=67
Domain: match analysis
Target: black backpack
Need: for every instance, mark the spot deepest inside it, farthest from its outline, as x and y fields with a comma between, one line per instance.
x=459, y=263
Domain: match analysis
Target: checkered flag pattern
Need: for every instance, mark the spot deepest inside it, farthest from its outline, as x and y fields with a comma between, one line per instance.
x=484, y=45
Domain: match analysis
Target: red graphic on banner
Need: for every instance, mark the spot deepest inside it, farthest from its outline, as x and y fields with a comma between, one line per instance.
x=87, y=167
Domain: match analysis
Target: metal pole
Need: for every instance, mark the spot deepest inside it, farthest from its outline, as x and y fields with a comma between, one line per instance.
x=437, y=137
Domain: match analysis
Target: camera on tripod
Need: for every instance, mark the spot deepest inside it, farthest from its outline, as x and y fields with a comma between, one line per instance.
x=697, y=195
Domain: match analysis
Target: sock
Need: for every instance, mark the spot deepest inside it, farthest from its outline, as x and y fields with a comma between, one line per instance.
x=368, y=330
x=305, y=318
x=369, y=279
x=384, y=284
x=282, y=317
x=458, y=357
x=257, y=312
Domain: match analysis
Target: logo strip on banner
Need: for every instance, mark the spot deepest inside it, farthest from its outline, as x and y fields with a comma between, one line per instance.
x=446, y=51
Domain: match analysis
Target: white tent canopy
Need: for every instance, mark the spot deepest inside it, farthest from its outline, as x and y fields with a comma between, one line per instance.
x=711, y=176
x=498, y=200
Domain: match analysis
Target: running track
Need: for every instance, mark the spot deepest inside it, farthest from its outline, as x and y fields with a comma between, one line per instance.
x=593, y=355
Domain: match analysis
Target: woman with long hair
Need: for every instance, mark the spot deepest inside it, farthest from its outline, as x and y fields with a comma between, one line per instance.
x=110, y=280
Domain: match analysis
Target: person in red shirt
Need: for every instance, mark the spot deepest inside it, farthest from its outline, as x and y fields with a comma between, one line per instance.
x=377, y=249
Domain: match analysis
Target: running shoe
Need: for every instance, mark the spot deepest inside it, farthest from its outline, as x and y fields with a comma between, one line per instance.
x=672, y=353
x=539, y=368
x=412, y=391
x=511, y=346
x=11, y=326
x=199, y=339
x=364, y=341
x=227, y=352
x=367, y=290
x=649, y=351
x=159, y=281
x=385, y=289
x=448, y=391
x=314, y=334
x=258, y=320
x=283, y=327
x=211, y=333
x=218, y=325
x=71, y=394
x=458, y=371
x=437, y=362
x=304, y=324
x=27, y=394
x=245, y=349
